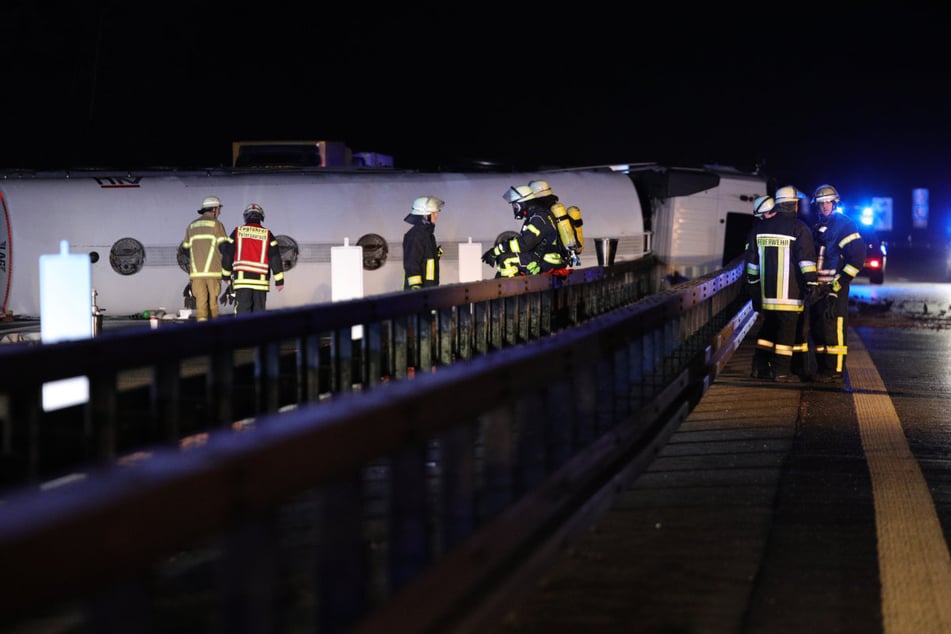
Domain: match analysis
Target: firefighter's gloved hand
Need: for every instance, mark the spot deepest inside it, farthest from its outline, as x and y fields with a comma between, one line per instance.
x=228, y=296
x=490, y=256
x=836, y=284
x=439, y=251
x=189, y=295
x=817, y=292
x=832, y=299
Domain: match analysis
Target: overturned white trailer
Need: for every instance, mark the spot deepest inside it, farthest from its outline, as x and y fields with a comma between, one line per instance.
x=132, y=223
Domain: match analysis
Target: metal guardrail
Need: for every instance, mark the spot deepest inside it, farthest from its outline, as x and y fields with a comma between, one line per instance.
x=148, y=387
x=401, y=504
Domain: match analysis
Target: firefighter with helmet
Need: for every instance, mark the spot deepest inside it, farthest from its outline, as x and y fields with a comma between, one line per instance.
x=203, y=238
x=537, y=248
x=841, y=255
x=249, y=257
x=421, y=253
x=763, y=206
x=781, y=273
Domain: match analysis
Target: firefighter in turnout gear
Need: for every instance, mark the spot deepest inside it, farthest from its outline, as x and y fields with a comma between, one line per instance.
x=420, y=252
x=537, y=248
x=203, y=239
x=781, y=273
x=841, y=255
x=249, y=257
x=762, y=207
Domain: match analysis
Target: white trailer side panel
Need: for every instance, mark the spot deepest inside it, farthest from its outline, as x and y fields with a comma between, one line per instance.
x=134, y=225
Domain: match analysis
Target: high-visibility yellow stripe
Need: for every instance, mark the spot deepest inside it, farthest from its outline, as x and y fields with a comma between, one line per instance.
x=913, y=560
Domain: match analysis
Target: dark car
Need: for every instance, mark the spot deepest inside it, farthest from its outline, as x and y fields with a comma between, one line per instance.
x=876, y=251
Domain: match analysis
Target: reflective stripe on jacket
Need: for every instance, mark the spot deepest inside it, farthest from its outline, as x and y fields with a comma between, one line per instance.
x=781, y=260
x=203, y=237
x=839, y=246
x=251, y=254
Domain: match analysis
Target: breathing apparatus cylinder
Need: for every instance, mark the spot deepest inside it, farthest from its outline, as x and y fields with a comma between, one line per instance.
x=575, y=214
x=563, y=222
x=568, y=232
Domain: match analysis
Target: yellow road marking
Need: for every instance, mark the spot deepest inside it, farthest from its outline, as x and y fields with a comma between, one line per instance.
x=913, y=560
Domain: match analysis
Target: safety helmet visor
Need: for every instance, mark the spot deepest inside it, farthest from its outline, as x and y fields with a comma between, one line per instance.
x=518, y=194
x=762, y=206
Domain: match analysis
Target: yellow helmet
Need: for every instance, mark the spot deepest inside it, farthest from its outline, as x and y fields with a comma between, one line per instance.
x=540, y=188
x=519, y=194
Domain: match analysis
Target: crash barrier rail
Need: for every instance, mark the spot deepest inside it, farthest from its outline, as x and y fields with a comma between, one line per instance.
x=172, y=384
x=397, y=509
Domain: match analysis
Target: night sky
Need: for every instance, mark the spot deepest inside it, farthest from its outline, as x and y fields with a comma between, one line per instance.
x=858, y=99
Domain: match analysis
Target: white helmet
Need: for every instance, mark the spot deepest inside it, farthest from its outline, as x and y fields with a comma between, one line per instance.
x=540, y=188
x=252, y=210
x=787, y=194
x=519, y=194
x=425, y=205
x=762, y=206
x=210, y=202
x=824, y=194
